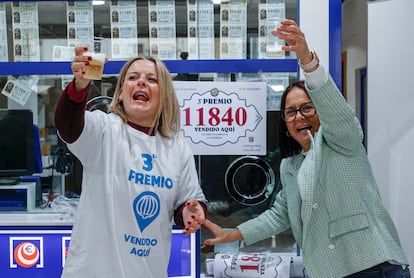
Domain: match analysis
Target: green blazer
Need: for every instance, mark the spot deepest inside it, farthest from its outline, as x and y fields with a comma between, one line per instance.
x=330, y=198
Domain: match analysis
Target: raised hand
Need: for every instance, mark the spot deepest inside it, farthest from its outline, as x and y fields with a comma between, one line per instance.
x=290, y=32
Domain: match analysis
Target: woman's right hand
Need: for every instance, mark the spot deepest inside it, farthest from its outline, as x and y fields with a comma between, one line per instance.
x=220, y=235
x=78, y=67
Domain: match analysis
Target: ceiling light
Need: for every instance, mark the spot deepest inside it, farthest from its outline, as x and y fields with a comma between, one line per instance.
x=98, y=3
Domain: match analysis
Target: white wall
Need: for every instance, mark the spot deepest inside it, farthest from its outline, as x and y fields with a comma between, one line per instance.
x=354, y=43
x=390, y=110
x=314, y=22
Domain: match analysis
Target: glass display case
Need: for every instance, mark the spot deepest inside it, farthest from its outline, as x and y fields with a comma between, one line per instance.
x=42, y=31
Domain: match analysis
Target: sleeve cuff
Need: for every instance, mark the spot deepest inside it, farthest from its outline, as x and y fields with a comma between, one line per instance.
x=316, y=78
x=76, y=96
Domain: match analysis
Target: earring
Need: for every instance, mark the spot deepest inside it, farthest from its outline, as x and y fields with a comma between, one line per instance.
x=287, y=134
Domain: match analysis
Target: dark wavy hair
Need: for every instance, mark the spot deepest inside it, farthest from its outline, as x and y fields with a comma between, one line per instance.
x=288, y=145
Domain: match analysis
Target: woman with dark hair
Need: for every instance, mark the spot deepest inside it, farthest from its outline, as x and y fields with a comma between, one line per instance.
x=288, y=145
x=329, y=197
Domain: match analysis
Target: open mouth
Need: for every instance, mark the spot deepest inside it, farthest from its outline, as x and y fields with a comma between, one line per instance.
x=304, y=128
x=141, y=96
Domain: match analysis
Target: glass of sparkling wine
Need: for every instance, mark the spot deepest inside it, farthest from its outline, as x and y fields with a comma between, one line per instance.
x=273, y=43
x=98, y=51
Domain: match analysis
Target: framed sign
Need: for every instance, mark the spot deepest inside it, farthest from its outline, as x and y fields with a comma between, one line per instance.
x=223, y=118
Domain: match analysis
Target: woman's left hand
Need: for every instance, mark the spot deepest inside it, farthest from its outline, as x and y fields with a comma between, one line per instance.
x=290, y=32
x=193, y=216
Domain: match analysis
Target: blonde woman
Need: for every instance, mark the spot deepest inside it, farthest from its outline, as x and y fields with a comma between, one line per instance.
x=138, y=173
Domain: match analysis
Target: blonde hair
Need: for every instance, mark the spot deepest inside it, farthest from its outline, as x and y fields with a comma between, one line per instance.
x=167, y=119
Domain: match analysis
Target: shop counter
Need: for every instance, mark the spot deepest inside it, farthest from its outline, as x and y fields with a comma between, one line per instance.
x=35, y=244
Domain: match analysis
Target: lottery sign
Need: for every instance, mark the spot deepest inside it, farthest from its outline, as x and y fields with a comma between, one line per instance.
x=227, y=118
